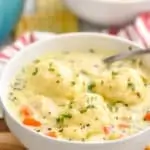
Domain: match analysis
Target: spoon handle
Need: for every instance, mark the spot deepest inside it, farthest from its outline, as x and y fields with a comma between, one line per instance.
x=124, y=55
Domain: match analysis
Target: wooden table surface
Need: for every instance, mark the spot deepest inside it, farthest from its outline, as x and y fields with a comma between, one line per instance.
x=7, y=140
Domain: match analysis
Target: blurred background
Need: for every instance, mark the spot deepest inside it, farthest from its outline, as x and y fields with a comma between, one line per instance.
x=21, y=16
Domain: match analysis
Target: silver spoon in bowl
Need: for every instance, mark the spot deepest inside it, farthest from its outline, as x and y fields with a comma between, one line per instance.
x=124, y=55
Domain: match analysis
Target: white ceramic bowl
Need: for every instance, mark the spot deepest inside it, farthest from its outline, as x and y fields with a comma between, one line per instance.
x=108, y=12
x=73, y=41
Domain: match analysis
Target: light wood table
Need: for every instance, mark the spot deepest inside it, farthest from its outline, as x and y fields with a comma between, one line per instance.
x=7, y=140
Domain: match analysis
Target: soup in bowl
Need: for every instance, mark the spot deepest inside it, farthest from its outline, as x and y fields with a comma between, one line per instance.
x=58, y=93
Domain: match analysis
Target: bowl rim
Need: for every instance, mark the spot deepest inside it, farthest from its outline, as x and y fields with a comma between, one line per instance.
x=120, y=1
x=28, y=49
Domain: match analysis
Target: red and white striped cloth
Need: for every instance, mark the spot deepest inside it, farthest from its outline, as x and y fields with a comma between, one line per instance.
x=138, y=32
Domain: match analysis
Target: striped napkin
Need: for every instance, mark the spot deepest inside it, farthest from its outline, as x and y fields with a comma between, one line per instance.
x=138, y=32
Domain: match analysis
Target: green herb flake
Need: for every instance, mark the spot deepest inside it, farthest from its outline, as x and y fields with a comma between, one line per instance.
x=73, y=83
x=51, y=69
x=114, y=73
x=110, y=107
x=82, y=139
x=138, y=94
x=57, y=81
x=140, y=63
x=133, y=61
x=67, y=115
x=58, y=75
x=36, y=61
x=110, y=87
x=90, y=106
x=91, y=86
x=84, y=110
x=102, y=82
x=35, y=71
x=61, y=130
x=87, y=124
x=130, y=48
x=62, y=117
x=70, y=105
x=84, y=72
x=96, y=118
x=131, y=86
x=91, y=50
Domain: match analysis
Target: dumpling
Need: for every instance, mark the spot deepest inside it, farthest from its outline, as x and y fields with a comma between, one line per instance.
x=123, y=85
x=87, y=108
x=86, y=116
x=53, y=78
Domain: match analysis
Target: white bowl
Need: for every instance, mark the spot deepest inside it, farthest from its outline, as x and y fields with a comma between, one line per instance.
x=108, y=12
x=73, y=41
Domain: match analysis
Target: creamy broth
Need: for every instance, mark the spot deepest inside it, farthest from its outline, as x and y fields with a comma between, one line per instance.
x=74, y=96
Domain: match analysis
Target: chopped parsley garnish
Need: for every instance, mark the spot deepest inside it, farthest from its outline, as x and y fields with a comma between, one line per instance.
x=91, y=86
x=131, y=86
x=87, y=124
x=84, y=110
x=51, y=69
x=133, y=61
x=35, y=71
x=62, y=117
x=114, y=73
x=70, y=105
x=140, y=63
x=90, y=106
x=84, y=72
x=57, y=81
x=73, y=83
x=91, y=50
x=130, y=48
x=38, y=130
x=110, y=87
x=36, y=61
x=138, y=94
x=102, y=82
x=61, y=130
x=126, y=105
x=82, y=139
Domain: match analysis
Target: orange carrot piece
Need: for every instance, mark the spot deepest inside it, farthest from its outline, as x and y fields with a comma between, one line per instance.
x=52, y=134
x=147, y=116
x=25, y=111
x=106, y=129
x=31, y=122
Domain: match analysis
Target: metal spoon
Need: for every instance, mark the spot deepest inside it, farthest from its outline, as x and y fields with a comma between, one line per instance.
x=124, y=55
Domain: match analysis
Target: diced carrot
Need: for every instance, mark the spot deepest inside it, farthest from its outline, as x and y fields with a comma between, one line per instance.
x=31, y=122
x=123, y=125
x=106, y=129
x=147, y=116
x=52, y=134
x=25, y=111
